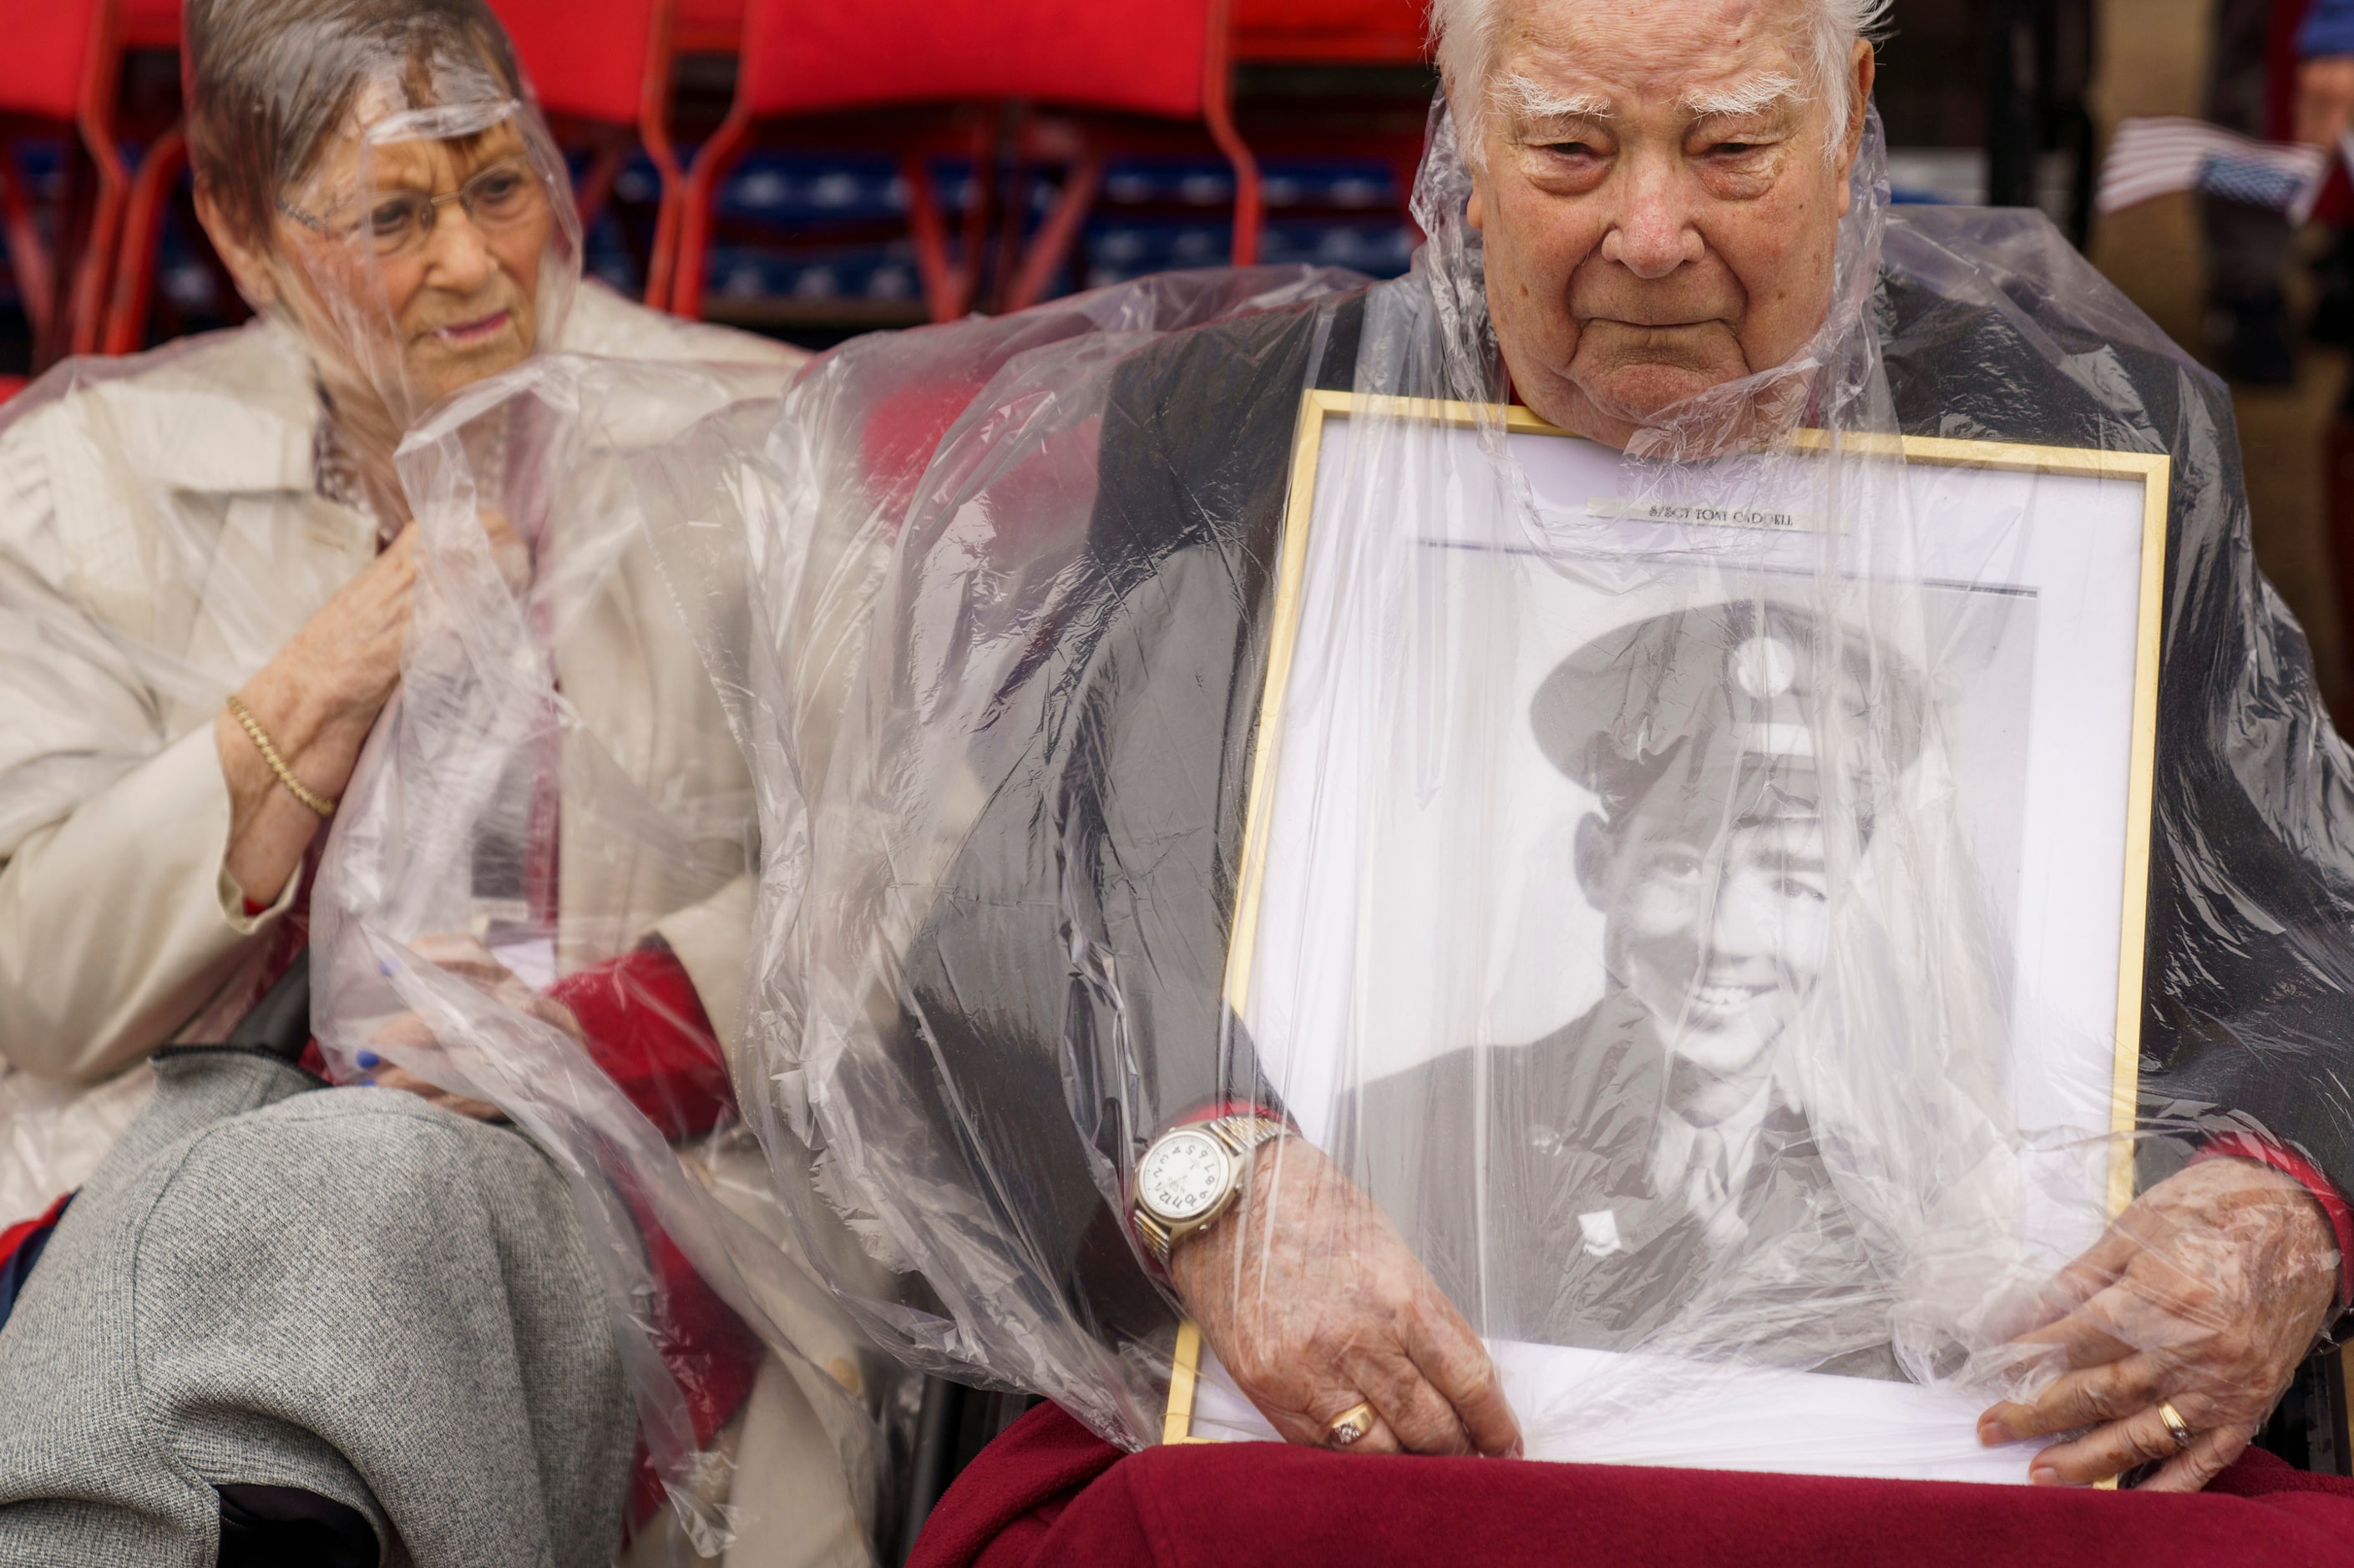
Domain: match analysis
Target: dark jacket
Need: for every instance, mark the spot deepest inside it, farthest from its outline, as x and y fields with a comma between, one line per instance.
x=1077, y=953
x=1494, y=1163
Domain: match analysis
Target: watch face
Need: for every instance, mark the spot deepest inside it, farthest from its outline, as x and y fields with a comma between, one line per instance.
x=1183, y=1175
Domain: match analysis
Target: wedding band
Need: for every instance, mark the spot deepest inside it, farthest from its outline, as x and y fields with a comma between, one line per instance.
x=1350, y=1424
x=2176, y=1428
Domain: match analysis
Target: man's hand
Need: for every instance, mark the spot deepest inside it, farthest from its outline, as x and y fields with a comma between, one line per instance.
x=464, y=957
x=1313, y=1302
x=2325, y=99
x=2205, y=1294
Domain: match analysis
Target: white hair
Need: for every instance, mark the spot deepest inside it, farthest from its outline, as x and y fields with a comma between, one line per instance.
x=1468, y=35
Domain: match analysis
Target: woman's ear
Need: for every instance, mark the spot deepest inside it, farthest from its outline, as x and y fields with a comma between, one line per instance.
x=248, y=265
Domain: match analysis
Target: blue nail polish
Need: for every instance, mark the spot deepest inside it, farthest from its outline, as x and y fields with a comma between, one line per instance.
x=368, y=1059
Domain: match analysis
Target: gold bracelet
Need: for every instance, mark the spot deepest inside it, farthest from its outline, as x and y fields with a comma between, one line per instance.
x=269, y=749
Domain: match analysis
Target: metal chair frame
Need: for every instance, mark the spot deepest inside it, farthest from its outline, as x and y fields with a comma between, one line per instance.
x=69, y=318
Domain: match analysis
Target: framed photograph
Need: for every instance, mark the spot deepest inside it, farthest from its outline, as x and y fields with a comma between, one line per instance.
x=1672, y=910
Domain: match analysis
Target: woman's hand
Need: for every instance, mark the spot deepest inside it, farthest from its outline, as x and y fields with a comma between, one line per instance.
x=2205, y=1294
x=468, y=960
x=1314, y=1303
x=317, y=699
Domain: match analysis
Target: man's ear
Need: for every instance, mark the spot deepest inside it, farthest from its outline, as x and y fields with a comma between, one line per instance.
x=1475, y=211
x=248, y=265
x=1866, y=62
x=1595, y=852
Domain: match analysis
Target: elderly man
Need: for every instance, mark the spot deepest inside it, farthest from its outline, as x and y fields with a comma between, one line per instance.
x=1658, y=218
x=207, y=565
x=1660, y=264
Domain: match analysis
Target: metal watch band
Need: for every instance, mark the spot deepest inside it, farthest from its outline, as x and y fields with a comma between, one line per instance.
x=1246, y=1132
x=1156, y=1237
x=1240, y=1134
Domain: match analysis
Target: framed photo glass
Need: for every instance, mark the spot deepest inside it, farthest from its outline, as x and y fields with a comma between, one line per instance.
x=1703, y=905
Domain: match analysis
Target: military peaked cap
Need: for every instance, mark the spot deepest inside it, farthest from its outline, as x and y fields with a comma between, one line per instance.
x=1753, y=684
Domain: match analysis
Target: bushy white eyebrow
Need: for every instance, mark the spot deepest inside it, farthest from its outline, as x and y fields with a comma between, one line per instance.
x=1532, y=100
x=1751, y=96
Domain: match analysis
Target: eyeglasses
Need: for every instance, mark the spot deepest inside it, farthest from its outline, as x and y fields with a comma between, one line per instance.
x=496, y=199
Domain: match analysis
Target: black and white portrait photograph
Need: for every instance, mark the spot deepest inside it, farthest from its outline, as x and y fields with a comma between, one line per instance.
x=1697, y=785
x=1646, y=910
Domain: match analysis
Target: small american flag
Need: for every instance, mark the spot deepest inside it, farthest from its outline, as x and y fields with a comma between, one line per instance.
x=2155, y=157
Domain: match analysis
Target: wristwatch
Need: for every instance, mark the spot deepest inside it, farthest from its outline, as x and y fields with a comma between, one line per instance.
x=1190, y=1175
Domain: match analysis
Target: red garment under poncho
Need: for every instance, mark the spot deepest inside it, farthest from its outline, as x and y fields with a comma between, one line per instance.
x=1049, y=1494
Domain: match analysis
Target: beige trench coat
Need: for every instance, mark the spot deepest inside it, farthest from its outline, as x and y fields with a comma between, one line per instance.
x=120, y=929
x=172, y=499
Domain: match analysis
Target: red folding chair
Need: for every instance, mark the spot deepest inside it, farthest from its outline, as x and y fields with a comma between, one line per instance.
x=58, y=70
x=142, y=233
x=147, y=24
x=1330, y=32
x=143, y=24
x=1376, y=122
x=602, y=73
x=707, y=27
x=1104, y=68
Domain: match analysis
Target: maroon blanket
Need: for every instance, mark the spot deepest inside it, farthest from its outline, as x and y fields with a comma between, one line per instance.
x=1049, y=1495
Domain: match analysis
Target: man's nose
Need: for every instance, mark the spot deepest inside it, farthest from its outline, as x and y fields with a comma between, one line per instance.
x=1655, y=234
x=1741, y=924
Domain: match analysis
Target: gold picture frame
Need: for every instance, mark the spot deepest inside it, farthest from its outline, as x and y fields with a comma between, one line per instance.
x=2151, y=469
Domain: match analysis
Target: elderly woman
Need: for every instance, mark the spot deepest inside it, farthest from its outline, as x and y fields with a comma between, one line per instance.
x=1650, y=224
x=227, y=508
x=207, y=566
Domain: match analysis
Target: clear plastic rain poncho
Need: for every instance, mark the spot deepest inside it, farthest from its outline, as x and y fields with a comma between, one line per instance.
x=552, y=827
x=1735, y=916
x=173, y=522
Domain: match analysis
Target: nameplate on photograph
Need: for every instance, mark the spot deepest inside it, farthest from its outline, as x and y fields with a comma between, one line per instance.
x=1703, y=514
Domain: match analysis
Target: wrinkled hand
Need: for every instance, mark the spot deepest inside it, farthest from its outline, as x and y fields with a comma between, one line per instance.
x=464, y=957
x=2207, y=1293
x=1313, y=1302
x=2325, y=99
x=334, y=675
x=339, y=670
x=317, y=699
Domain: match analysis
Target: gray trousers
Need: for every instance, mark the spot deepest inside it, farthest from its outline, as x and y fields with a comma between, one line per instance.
x=347, y=1292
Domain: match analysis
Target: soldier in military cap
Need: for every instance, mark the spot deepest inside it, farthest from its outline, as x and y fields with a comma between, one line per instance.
x=1601, y=1181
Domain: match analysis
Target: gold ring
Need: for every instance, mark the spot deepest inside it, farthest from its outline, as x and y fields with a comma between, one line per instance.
x=1349, y=1425
x=2176, y=1428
